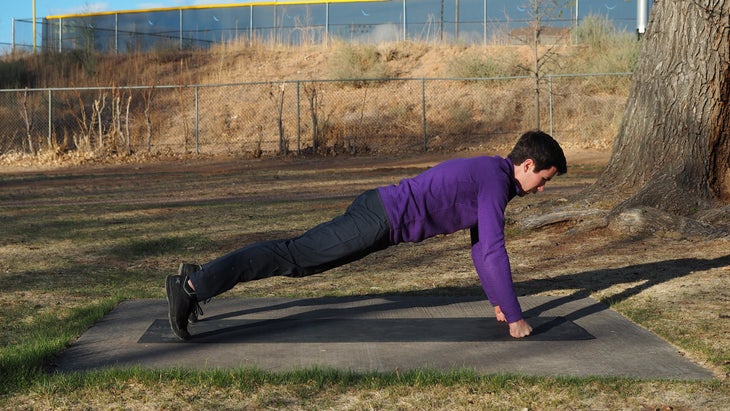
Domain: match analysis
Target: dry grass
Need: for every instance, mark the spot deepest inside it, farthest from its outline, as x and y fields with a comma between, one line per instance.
x=356, y=116
x=491, y=394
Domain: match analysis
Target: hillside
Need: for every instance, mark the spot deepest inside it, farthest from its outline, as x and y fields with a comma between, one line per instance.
x=325, y=114
x=243, y=62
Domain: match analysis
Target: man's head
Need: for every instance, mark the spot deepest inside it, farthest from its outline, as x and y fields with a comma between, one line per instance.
x=537, y=158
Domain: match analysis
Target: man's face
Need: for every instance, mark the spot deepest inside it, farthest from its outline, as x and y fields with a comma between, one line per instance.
x=530, y=181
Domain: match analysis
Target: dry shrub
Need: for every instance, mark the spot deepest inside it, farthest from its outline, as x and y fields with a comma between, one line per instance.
x=486, y=62
x=350, y=61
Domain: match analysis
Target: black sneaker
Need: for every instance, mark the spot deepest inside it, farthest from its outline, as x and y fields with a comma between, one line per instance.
x=180, y=305
x=184, y=270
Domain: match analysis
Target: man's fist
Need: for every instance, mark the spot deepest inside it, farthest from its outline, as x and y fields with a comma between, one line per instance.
x=519, y=329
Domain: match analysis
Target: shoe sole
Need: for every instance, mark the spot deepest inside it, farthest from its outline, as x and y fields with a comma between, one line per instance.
x=181, y=334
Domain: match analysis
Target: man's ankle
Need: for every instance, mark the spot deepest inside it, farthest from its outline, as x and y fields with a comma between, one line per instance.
x=189, y=289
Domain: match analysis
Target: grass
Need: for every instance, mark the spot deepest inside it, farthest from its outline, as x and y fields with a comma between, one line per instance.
x=77, y=243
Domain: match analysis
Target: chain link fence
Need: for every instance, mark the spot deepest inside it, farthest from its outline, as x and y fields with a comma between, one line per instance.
x=311, y=117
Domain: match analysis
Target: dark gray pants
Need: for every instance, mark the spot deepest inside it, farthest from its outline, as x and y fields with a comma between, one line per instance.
x=363, y=229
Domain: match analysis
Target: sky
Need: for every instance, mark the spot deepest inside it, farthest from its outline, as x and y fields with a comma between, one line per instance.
x=23, y=9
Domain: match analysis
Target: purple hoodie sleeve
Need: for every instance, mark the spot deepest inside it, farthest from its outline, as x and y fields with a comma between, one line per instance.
x=490, y=254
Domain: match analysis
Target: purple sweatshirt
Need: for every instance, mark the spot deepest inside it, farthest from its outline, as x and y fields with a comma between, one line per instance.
x=455, y=195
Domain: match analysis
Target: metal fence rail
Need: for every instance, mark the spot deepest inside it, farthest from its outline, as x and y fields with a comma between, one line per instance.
x=312, y=116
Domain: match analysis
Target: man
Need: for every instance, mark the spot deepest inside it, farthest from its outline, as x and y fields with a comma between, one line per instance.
x=454, y=195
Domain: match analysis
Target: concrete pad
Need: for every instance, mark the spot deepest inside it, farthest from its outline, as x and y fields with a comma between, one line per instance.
x=572, y=337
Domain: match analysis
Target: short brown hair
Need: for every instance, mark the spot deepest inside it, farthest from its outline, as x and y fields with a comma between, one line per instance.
x=542, y=149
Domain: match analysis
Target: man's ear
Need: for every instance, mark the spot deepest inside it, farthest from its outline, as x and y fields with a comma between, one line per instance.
x=526, y=164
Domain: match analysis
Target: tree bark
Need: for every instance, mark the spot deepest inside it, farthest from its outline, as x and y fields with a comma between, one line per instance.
x=672, y=151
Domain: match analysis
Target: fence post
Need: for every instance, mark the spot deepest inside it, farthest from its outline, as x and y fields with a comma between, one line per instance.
x=423, y=113
x=116, y=33
x=299, y=119
x=181, y=29
x=197, y=128
x=326, y=24
x=60, y=35
x=50, y=119
x=250, y=24
x=405, y=18
x=485, y=22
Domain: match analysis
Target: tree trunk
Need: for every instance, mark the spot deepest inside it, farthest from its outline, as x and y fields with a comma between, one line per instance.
x=672, y=151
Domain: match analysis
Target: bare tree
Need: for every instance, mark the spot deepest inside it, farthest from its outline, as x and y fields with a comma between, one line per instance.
x=315, y=102
x=82, y=138
x=126, y=126
x=98, y=110
x=277, y=97
x=148, y=99
x=119, y=133
x=116, y=111
x=543, y=53
x=27, y=114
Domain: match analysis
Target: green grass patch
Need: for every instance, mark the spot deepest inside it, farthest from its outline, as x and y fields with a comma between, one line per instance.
x=23, y=364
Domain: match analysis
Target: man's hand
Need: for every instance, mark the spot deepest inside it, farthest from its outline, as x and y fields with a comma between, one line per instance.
x=519, y=329
x=499, y=314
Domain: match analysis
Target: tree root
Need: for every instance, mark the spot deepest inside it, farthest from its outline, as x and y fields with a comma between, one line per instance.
x=638, y=221
x=648, y=220
x=582, y=216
